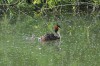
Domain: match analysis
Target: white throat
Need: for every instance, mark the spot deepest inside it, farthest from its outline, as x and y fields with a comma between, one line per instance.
x=57, y=34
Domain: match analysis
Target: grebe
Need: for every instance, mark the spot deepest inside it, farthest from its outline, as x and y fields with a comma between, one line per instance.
x=51, y=36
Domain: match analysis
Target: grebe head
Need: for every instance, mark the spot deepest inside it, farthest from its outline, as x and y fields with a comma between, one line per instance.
x=56, y=28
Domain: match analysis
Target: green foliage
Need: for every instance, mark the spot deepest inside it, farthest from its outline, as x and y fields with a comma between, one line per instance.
x=39, y=7
x=9, y=1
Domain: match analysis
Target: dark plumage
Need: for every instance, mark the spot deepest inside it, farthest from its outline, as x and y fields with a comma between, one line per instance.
x=51, y=36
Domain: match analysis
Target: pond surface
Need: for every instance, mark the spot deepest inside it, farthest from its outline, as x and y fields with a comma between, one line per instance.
x=79, y=44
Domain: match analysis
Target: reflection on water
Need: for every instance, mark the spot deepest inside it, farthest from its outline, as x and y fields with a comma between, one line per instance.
x=54, y=43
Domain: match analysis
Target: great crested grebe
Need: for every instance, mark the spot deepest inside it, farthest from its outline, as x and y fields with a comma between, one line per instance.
x=51, y=36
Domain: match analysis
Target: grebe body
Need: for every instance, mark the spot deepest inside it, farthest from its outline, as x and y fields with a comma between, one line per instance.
x=51, y=36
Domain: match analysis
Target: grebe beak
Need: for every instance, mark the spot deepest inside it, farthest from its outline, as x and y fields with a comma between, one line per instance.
x=58, y=26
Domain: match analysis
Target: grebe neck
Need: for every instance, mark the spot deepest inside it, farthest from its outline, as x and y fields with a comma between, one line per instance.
x=57, y=34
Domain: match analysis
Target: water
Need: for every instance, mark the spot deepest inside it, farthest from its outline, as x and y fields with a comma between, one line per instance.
x=79, y=44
